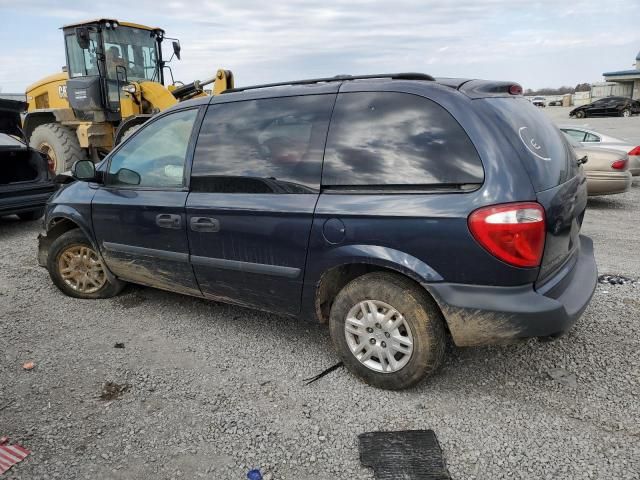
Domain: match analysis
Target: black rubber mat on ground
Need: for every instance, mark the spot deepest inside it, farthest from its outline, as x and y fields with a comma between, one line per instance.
x=408, y=455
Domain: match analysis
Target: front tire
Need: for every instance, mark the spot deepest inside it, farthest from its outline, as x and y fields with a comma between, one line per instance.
x=387, y=330
x=626, y=113
x=77, y=270
x=580, y=114
x=59, y=144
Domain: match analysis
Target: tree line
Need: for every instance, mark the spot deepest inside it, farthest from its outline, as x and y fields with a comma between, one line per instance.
x=581, y=87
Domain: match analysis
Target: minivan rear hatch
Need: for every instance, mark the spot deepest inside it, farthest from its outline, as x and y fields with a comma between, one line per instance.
x=557, y=178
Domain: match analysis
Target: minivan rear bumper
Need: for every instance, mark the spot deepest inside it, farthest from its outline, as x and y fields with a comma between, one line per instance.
x=484, y=315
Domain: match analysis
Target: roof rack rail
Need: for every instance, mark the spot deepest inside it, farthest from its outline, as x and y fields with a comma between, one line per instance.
x=338, y=78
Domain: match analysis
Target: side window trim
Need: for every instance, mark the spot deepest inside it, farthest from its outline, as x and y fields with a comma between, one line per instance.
x=188, y=157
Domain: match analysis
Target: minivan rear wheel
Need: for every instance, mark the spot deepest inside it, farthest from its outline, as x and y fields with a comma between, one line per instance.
x=387, y=330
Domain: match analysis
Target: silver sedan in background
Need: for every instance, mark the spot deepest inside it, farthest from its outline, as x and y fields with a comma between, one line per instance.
x=592, y=139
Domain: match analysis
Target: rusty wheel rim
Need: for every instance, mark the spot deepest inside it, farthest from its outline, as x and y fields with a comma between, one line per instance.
x=81, y=269
x=52, y=161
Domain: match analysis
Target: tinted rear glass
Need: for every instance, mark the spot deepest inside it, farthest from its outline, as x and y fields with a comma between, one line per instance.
x=389, y=138
x=270, y=145
x=548, y=157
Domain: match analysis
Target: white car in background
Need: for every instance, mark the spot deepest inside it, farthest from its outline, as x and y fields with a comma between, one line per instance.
x=591, y=138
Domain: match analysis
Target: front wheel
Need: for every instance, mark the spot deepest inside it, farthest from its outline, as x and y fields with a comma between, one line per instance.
x=626, y=112
x=387, y=330
x=77, y=270
x=580, y=114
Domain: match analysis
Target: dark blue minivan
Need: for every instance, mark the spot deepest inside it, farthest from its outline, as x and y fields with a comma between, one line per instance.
x=399, y=209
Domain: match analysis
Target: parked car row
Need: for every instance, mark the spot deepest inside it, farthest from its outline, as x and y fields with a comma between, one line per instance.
x=592, y=139
x=608, y=106
x=607, y=170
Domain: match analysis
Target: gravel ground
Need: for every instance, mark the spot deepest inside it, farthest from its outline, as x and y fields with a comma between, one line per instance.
x=211, y=391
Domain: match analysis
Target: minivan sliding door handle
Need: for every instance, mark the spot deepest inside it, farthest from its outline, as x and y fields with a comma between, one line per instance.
x=168, y=220
x=204, y=224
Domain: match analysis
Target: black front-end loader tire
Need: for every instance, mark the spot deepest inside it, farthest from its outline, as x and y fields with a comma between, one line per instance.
x=59, y=143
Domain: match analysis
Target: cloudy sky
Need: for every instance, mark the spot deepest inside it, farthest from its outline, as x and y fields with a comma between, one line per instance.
x=537, y=43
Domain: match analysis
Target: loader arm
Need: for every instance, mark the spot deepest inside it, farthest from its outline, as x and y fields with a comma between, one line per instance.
x=222, y=81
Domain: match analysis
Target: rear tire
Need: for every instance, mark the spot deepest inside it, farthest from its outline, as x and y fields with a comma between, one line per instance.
x=421, y=332
x=60, y=145
x=77, y=270
x=32, y=215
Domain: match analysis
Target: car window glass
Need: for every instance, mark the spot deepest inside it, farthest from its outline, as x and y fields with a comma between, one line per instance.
x=269, y=145
x=389, y=138
x=156, y=153
x=577, y=134
x=546, y=155
x=588, y=137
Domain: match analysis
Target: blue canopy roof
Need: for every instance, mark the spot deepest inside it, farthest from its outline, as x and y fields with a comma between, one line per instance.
x=622, y=73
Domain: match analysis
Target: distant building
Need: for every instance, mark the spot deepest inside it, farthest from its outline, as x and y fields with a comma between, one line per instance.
x=630, y=78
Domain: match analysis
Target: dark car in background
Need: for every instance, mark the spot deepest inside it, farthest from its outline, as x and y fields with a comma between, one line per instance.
x=399, y=209
x=25, y=180
x=609, y=107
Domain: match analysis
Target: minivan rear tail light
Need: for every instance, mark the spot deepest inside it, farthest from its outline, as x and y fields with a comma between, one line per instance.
x=619, y=164
x=512, y=232
x=635, y=151
x=515, y=89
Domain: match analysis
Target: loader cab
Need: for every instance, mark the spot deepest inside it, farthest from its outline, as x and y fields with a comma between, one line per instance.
x=102, y=57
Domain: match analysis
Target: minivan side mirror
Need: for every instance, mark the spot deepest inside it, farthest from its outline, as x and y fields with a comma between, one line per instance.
x=82, y=37
x=128, y=177
x=84, y=170
x=176, y=49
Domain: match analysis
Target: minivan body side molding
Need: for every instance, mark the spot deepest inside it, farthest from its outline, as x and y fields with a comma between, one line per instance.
x=248, y=267
x=260, y=268
x=147, y=252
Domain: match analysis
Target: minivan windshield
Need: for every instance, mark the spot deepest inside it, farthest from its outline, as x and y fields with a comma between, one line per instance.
x=545, y=152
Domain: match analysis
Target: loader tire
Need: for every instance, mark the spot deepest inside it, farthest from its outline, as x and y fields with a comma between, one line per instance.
x=60, y=145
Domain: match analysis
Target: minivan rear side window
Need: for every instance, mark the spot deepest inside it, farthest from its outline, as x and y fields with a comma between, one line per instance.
x=397, y=139
x=271, y=145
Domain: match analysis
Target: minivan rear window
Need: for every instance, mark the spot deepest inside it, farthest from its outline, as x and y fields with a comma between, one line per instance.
x=547, y=155
x=397, y=139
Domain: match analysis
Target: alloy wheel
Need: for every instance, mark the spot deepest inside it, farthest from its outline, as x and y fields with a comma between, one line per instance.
x=378, y=336
x=81, y=269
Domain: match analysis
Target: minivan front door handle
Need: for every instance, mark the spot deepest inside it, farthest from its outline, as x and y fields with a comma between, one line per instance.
x=204, y=224
x=168, y=220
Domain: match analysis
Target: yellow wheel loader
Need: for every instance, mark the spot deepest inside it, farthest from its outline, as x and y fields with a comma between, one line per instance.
x=114, y=80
